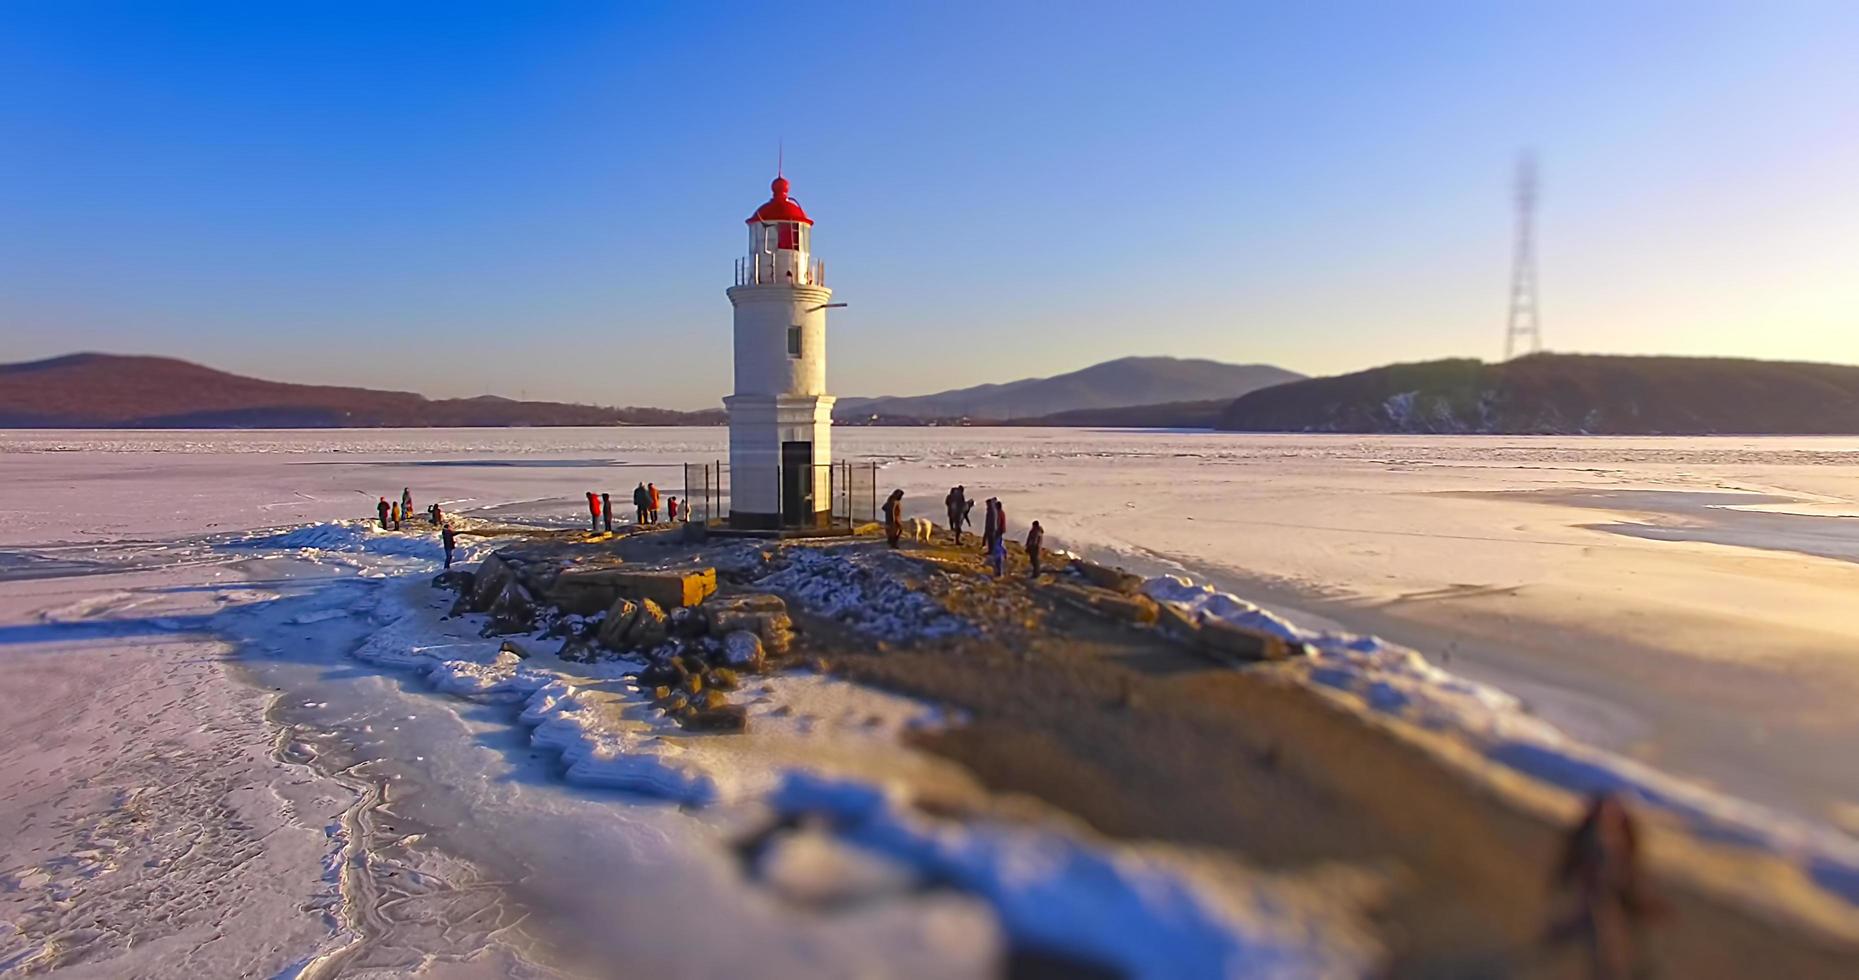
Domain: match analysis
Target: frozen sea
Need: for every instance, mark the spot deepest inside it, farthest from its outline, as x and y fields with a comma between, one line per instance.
x=1688, y=603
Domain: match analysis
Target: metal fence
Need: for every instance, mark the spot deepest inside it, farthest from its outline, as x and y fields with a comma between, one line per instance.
x=851, y=488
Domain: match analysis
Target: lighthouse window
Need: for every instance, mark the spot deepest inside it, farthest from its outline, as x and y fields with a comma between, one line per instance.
x=793, y=341
x=790, y=236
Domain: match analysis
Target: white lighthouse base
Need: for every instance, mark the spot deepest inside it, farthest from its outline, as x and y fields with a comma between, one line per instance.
x=780, y=461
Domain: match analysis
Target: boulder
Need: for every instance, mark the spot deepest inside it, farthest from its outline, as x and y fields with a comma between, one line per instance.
x=511, y=646
x=513, y=609
x=759, y=613
x=1138, y=609
x=1105, y=577
x=1175, y=622
x=1231, y=641
x=577, y=650
x=722, y=679
x=618, y=621
x=743, y=651
x=650, y=626
x=492, y=574
x=728, y=718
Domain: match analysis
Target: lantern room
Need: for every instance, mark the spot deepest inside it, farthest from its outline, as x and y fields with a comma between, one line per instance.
x=780, y=244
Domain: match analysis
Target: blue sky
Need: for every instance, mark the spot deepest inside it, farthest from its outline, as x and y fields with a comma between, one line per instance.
x=547, y=198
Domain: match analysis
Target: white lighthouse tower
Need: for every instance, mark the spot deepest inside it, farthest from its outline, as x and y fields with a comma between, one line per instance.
x=780, y=418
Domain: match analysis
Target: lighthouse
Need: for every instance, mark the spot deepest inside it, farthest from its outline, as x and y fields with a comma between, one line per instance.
x=780, y=417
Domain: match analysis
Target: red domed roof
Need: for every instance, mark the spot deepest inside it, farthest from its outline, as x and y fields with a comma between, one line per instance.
x=780, y=207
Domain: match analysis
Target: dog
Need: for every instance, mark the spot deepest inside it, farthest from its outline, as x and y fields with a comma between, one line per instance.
x=921, y=528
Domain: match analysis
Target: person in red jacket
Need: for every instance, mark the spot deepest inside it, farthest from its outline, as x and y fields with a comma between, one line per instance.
x=671, y=509
x=593, y=511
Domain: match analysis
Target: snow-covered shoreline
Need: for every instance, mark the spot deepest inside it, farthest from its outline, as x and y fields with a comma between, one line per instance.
x=1382, y=680
x=828, y=749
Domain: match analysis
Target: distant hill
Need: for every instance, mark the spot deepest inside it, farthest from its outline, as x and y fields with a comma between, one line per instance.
x=116, y=391
x=1168, y=415
x=1113, y=384
x=1565, y=393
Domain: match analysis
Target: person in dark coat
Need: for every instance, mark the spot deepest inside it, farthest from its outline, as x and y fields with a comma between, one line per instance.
x=640, y=503
x=449, y=539
x=434, y=514
x=383, y=508
x=894, y=517
x=1035, y=536
x=593, y=511
x=958, y=512
x=1601, y=864
x=606, y=511
x=406, y=503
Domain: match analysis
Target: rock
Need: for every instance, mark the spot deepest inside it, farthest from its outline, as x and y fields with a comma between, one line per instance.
x=661, y=692
x=512, y=610
x=674, y=704
x=456, y=579
x=492, y=574
x=743, y=651
x=710, y=701
x=728, y=718
x=1232, y=641
x=685, y=621
x=723, y=678
x=511, y=646
x=1105, y=577
x=1139, y=609
x=694, y=683
x=760, y=613
x=576, y=650
x=649, y=627
x=618, y=621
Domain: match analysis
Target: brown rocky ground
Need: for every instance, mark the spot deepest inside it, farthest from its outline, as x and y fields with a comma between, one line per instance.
x=1143, y=739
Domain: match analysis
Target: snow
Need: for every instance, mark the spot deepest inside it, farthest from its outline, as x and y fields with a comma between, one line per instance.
x=1148, y=912
x=865, y=590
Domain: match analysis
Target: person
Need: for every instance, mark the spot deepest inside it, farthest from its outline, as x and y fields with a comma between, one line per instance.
x=434, y=514
x=640, y=501
x=894, y=517
x=606, y=512
x=449, y=539
x=651, y=492
x=953, y=503
x=593, y=511
x=382, y=509
x=1035, y=536
x=997, y=554
x=406, y=503
x=1600, y=861
x=396, y=513
x=671, y=509
x=989, y=529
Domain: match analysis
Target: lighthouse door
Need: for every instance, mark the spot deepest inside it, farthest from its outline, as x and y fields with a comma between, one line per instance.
x=796, y=483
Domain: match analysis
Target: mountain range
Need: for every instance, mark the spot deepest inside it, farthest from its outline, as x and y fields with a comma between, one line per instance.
x=1565, y=393
x=118, y=391
x=1125, y=382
